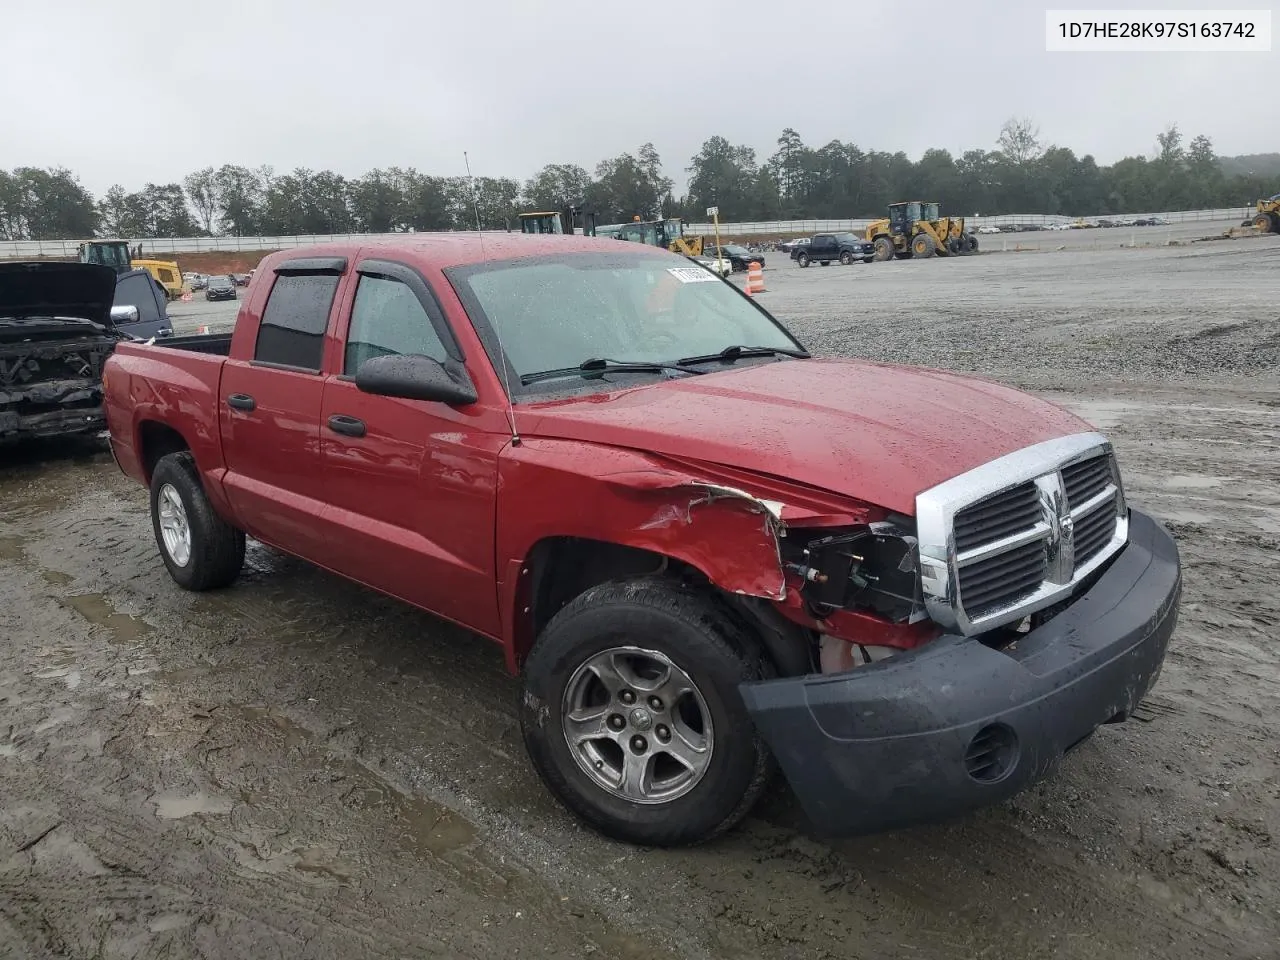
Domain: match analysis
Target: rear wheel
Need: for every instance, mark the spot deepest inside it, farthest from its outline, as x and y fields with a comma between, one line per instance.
x=200, y=549
x=632, y=716
x=885, y=249
x=803, y=259
x=923, y=246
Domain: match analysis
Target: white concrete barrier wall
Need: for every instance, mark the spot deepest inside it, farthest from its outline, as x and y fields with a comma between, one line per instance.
x=14, y=249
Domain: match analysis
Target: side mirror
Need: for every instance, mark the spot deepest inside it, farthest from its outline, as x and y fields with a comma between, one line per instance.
x=124, y=314
x=415, y=378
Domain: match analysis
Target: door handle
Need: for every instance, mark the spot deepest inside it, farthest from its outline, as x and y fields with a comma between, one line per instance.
x=347, y=426
x=241, y=401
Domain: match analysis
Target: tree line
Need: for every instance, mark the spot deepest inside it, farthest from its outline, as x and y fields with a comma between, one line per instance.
x=838, y=180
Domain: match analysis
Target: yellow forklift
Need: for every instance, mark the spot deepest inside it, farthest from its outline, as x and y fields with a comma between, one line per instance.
x=917, y=229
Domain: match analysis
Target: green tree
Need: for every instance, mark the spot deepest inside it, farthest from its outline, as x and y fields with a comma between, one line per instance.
x=557, y=186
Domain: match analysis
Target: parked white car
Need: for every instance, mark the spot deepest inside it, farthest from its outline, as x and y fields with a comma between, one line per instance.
x=989, y=228
x=718, y=266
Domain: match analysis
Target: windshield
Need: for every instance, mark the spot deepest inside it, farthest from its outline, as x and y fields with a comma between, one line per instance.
x=552, y=313
x=846, y=238
x=219, y=282
x=736, y=250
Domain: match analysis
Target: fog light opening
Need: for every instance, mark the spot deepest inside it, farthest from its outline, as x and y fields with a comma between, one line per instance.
x=992, y=754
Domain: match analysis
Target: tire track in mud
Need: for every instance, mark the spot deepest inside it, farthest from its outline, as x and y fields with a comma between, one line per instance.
x=253, y=681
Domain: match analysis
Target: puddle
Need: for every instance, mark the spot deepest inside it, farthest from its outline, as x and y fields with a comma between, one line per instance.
x=11, y=548
x=170, y=806
x=56, y=578
x=8, y=750
x=422, y=824
x=97, y=609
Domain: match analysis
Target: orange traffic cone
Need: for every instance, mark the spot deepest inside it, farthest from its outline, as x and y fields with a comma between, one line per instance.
x=204, y=328
x=755, y=278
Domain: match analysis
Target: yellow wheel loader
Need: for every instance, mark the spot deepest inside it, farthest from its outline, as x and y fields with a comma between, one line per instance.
x=122, y=258
x=667, y=233
x=1267, y=217
x=917, y=229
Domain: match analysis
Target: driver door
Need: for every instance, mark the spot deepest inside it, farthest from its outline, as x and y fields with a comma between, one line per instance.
x=411, y=484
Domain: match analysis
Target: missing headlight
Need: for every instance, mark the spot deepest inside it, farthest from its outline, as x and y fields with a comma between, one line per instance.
x=875, y=568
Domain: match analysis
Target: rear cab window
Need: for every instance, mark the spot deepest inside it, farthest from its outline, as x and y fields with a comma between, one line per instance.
x=295, y=319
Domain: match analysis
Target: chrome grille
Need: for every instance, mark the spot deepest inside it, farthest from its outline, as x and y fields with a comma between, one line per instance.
x=998, y=516
x=1002, y=578
x=1087, y=479
x=1020, y=533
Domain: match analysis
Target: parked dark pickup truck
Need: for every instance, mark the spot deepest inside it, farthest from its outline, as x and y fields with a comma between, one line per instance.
x=707, y=552
x=826, y=247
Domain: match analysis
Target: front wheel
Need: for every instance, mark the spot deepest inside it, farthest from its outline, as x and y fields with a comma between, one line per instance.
x=632, y=717
x=846, y=258
x=803, y=259
x=200, y=549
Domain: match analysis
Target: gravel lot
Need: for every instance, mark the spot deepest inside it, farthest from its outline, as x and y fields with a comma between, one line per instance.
x=299, y=768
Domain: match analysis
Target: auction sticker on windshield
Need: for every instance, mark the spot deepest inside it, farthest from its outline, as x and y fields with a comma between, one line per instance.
x=692, y=274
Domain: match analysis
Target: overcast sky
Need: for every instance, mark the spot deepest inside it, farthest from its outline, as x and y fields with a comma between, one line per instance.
x=137, y=92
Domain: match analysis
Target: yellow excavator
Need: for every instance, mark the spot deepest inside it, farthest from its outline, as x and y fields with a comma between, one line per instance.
x=1267, y=217
x=917, y=229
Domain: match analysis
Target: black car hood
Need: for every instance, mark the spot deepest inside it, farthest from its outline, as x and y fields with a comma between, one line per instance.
x=44, y=290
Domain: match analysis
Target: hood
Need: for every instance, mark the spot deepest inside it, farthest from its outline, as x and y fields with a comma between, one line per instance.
x=875, y=432
x=45, y=289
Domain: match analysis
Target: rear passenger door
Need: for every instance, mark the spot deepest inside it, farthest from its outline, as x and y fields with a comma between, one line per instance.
x=823, y=248
x=271, y=411
x=411, y=484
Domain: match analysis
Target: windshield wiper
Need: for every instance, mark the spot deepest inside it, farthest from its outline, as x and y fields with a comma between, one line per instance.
x=732, y=353
x=598, y=366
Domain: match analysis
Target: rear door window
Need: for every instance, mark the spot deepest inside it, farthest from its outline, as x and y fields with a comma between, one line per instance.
x=296, y=316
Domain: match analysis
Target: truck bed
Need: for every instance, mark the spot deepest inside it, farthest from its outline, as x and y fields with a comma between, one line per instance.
x=218, y=344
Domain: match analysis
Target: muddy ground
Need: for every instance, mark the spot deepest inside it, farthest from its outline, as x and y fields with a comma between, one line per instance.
x=298, y=768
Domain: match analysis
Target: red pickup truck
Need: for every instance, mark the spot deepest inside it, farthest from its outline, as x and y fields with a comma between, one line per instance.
x=708, y=553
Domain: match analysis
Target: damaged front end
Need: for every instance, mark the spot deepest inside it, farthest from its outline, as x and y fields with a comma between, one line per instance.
x=845, y=574
x=52, y=385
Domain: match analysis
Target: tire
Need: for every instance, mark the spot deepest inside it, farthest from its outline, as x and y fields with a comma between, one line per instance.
x=923, y=246
x=846, y=258
x=803, y=259
x=658, y=622
x=885, y=249
x=214, y=552
x=868, y=259
x=973, y=243
x=1263, y=222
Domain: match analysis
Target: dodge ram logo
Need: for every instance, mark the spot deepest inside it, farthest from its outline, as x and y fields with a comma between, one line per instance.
x=1060, y=550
